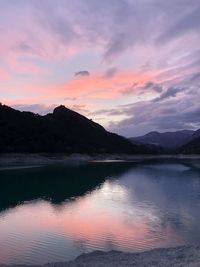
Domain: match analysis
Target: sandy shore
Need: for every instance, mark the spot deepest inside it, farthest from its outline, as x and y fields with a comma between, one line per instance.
x=170, y=257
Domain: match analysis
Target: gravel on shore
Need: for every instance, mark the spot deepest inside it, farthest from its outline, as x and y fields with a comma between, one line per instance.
x=184, y=256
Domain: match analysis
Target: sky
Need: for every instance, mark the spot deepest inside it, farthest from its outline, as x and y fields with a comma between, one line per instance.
x=131, y=65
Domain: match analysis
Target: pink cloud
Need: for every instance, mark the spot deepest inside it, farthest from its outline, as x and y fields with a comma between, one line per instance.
x=88, y=89
x=4, y=75
x=98, y=86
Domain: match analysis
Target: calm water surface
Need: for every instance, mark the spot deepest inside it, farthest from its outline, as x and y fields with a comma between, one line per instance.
x=51, y=214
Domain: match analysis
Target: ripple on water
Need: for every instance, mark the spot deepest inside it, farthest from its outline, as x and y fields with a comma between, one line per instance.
x=137, y=208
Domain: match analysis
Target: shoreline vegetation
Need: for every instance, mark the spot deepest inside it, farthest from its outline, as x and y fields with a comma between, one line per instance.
x=166, y=257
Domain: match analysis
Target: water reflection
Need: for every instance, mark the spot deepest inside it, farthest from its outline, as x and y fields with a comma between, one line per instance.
x=127, y=207
x=55, y=183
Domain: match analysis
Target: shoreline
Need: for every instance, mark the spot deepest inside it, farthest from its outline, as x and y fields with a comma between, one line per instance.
x=37, y=160
x=162, y=257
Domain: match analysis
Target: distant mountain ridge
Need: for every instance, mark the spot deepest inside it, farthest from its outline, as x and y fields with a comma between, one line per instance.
x=169, y=140
x=185, y=141
x=193, y=146
x=63, y=131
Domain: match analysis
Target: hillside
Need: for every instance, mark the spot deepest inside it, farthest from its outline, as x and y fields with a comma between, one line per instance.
x=63, y=131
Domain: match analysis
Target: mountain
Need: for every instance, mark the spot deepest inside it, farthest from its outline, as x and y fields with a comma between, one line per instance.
x=196, y=134
x=168, y=140
x=193, y=146
x=63, y=131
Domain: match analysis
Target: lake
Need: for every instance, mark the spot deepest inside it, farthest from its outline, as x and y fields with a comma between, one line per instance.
x=55, y=213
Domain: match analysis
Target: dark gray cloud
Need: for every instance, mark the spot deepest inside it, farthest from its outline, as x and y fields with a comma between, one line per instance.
x=170, y=92
x=142, y=88
x=83, y=73
x=153, y=86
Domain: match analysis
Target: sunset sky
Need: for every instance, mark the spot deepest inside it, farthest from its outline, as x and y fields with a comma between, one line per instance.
x=131, y=65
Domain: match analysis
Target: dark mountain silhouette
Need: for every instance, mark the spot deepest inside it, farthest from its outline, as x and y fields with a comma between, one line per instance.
x=193, y=146
x=168, y=140
x=196, y=134
x=61, y=131
x=152, y=147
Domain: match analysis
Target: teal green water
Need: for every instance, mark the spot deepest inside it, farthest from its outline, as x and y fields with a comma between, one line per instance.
x=51, y=214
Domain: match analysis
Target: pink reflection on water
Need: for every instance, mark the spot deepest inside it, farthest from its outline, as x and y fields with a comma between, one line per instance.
x=103, y=220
